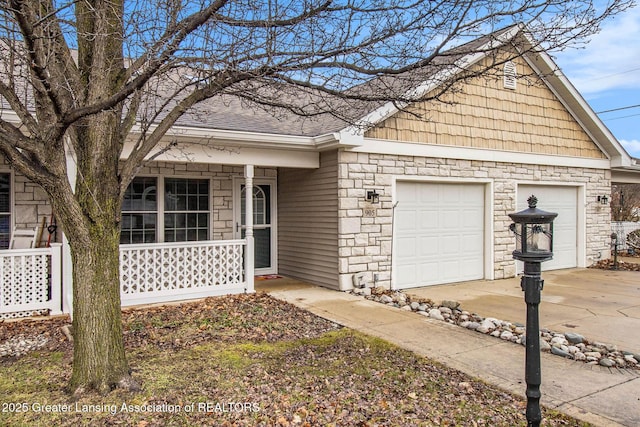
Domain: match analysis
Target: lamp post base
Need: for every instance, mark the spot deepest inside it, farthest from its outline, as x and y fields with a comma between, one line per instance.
x=532, y=284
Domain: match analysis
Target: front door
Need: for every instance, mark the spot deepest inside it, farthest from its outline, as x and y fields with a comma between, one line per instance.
x=264, y=233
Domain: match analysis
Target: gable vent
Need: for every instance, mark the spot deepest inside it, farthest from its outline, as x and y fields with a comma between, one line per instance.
x=510, y=75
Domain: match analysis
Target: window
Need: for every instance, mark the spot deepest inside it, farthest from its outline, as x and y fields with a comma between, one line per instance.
x=186, y=209
x=5, y=210
x=165, y=210
x=260, y=204
x=140, y=211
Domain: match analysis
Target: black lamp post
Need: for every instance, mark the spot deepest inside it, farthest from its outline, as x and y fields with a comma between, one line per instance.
x=534, y=244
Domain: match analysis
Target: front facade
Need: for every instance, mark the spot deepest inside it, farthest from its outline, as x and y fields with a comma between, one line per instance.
x=420, y=198
x=448, y=183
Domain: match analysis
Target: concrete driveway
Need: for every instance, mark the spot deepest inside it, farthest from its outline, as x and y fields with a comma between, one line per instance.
x=601, y=305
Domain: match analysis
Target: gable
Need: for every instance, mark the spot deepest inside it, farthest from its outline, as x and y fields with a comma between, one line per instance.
x=483, y=113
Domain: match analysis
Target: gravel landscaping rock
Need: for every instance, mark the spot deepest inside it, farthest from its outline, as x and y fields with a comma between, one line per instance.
x=573, y=338
x=568, y=344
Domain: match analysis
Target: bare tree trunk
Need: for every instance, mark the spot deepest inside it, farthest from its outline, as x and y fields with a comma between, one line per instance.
x=99, y=361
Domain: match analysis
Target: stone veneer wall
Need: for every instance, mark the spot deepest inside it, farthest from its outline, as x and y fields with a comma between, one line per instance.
x=221, y=187
x=31, y=203
x=365, y=237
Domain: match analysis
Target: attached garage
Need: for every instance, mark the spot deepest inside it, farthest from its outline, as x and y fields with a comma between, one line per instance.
x=439, y=233
x=564, y=201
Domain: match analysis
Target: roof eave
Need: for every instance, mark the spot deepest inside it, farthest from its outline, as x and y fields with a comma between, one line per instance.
x=223, y=137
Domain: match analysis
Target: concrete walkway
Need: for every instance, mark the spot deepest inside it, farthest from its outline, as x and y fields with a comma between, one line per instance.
x=602, y=396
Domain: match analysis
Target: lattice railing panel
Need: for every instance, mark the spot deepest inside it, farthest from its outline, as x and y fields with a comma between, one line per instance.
x=29, y=281
x=25, y=279
x=148, y=270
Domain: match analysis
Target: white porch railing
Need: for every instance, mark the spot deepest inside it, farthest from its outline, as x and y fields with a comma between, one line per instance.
x=163, y=272
x=30, y=280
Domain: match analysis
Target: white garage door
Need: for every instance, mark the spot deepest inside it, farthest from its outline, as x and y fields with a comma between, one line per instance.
x=564, y=201
x=439, y=233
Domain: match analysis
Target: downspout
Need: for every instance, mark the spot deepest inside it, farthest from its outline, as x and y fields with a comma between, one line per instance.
x=392, y=286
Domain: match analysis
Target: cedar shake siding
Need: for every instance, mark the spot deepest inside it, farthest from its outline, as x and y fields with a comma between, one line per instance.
x=484, y=114
x=308, y=222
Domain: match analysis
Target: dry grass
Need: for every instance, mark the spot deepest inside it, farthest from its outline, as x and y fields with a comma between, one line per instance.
x=251, y=360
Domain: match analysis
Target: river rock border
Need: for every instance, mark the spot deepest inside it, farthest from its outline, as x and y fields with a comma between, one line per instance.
x=569, y=345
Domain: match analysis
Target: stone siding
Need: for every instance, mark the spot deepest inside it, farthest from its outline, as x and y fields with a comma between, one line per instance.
x=31, y=203
x=221, y=188
x=365, y=231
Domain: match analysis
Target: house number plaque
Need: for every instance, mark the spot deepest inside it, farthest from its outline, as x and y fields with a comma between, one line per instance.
x=369, y=213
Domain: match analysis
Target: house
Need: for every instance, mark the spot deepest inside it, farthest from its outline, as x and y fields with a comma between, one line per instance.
x=418, y=195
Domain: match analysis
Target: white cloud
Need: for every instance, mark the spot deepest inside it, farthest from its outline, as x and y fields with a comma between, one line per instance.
x=610, y=60
x=632, y=147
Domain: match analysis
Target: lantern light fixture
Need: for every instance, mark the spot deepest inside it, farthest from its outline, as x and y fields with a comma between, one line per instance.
x=533, y=228
x=372, y=196
x=603, y=200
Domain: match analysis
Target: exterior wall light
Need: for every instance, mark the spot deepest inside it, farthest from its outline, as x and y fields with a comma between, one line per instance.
x=372, y=196
x=603, y=199
x=533, y=228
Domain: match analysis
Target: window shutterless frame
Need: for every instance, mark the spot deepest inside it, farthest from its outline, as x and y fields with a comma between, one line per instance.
x=161, y=209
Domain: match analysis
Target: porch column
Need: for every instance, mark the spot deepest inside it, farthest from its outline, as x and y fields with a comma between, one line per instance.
x=249, y=253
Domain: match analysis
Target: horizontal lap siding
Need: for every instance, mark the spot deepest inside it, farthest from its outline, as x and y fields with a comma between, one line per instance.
x=308, y=222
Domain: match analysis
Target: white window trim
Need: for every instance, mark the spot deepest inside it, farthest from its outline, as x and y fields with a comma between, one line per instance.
x=122, y=211
x=209, y=207
x=160, y=201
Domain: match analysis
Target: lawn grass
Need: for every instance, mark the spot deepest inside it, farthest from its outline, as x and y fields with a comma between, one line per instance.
x=252, y=372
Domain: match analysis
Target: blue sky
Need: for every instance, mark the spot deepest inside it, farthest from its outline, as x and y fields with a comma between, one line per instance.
x=607, y=74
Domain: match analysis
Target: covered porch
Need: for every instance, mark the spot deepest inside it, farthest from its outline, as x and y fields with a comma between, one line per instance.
x=177, y=244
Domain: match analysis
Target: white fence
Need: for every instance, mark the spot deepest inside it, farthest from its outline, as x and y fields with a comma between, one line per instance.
x=622, y=229
x=31, y=280
x=151, y=273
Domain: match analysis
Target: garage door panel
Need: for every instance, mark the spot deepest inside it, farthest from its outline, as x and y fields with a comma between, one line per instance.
x=449, y=219
x=429, y=220
x=450, y=246
x=448, y=236
x=406, y=220
x=471, y=243
x=468, y=217
x=450, y=269
x=408, y=272
x=406, y=247
x=407, y=192
x=450, y=196
x=424, y=194
x=564, y=201
x=428, y=246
